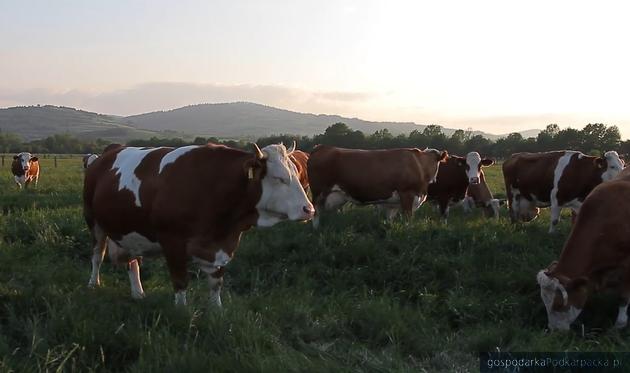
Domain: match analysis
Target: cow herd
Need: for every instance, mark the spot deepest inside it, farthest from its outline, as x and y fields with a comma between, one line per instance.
x=194, y=202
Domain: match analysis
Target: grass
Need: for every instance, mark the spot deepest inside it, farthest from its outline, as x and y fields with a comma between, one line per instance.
x=358, y=295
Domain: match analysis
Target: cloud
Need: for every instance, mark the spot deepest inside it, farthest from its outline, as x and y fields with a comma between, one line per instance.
x=169, y=95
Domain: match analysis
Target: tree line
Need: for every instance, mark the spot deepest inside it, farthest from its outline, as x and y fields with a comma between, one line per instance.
x=593, y=139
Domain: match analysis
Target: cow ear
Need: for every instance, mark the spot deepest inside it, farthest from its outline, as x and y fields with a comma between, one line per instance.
x=34, y=159
x=487, y=162
x=15, y=157
x=443, y=156
x=551, y=266
x=253, y=168
x=600, y=162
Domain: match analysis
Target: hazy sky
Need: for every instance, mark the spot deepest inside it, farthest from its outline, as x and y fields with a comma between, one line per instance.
x=497, y=66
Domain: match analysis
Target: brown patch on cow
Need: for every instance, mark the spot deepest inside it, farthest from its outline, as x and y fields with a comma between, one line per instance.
x=450, y=184
x=580, y=177
x=197, y=208
x=372, y=176
x=300, y=160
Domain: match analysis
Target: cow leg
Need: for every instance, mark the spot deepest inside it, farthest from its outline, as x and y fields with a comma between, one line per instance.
x=98, y=253
x=622, y=316
x=444, y=209
x=133, y=269
x=555, y=216
x=177, y=262
x=408, y=204
x=215, y=281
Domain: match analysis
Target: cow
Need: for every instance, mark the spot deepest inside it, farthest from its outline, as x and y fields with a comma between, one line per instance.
x=192, y=202
x=560, y=179
x=398, y=179
x=596, y=256
x=458, y=178
x=88, y=159
x=25, y=169
x=300, y=160
x=480, y=196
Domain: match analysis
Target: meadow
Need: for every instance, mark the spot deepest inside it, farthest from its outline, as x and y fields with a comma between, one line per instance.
x=360, y=294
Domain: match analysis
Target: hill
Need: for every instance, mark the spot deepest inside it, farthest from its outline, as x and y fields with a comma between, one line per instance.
x=36, y=122
x=238, y=120
x=251, y=121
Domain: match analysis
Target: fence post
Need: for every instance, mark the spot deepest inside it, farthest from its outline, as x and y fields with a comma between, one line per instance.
x=3, y=161
x=55, y=161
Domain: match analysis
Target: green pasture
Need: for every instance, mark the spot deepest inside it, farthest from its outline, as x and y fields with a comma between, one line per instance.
x=358, y=295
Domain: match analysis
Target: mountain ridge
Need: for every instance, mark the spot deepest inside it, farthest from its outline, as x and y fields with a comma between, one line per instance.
x=233, y=120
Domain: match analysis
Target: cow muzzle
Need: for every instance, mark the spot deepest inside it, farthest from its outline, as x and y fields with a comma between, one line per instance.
x=308, y=212
x=474, y=180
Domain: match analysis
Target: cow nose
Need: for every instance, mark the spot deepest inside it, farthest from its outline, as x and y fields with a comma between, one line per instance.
x=474, y=180
x=309, y=210
x=25, y=168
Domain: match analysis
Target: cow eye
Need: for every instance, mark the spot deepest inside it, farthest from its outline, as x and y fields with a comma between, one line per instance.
x=282, y=180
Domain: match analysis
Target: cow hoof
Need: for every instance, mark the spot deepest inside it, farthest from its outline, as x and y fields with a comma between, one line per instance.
x=94, y=285
x=135, y=295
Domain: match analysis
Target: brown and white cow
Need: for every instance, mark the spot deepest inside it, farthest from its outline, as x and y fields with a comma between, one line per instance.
x=88, y=159
x=25, y=169
x=300, y=160
x=560, y=179
x=595, y=256
x=398, y=179
x=186, y=203
x=460, y=177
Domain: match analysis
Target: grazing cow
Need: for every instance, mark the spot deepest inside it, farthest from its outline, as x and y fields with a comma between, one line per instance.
x=455, y=177
x=88, y=159
x=560, y=179
x=300, y=160
x=189, y=202
x=25, y=169
x=595, y=256
x=395, y=178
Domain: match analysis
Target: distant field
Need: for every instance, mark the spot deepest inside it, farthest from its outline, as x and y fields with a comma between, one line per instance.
x=358, y=295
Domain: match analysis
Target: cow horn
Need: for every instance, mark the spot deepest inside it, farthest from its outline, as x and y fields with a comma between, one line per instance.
x=292, y=148
x=259, y=153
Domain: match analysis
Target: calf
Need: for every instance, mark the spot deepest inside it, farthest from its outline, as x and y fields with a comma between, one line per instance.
x=560, y=179
x=458, y=175
x=595, y=256
x=398, y=179
x=192, y=202
x=25, y=169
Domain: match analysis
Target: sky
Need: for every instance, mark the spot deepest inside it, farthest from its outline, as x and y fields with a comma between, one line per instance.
x=496, y=66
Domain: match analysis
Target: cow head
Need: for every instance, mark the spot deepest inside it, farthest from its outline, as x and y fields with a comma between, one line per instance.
x=88, y=159
x=611, y=164
x=563, y=298
x=25, y=159
x=473, y=166
x=435, y=157
x=282, y=195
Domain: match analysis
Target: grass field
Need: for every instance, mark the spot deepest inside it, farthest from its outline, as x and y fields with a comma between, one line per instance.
x=358, y=295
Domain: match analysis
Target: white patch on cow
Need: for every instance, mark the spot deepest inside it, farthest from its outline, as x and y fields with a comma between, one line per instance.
x=90, y=160
x=138, y=245
x=549, y=287
x=282, y=197
x=473, y=159
x=172, y=156
x=495, y=204
x=336, y=198
x=180, y=298
x=134, y=278
x=622, y=317
x=127, y=160
x=556, y=209
x=615, y=166
x=20, y=180
x=221, y=258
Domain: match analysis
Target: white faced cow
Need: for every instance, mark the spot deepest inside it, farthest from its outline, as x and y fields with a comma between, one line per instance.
x=25, y=169
x=192, y=202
